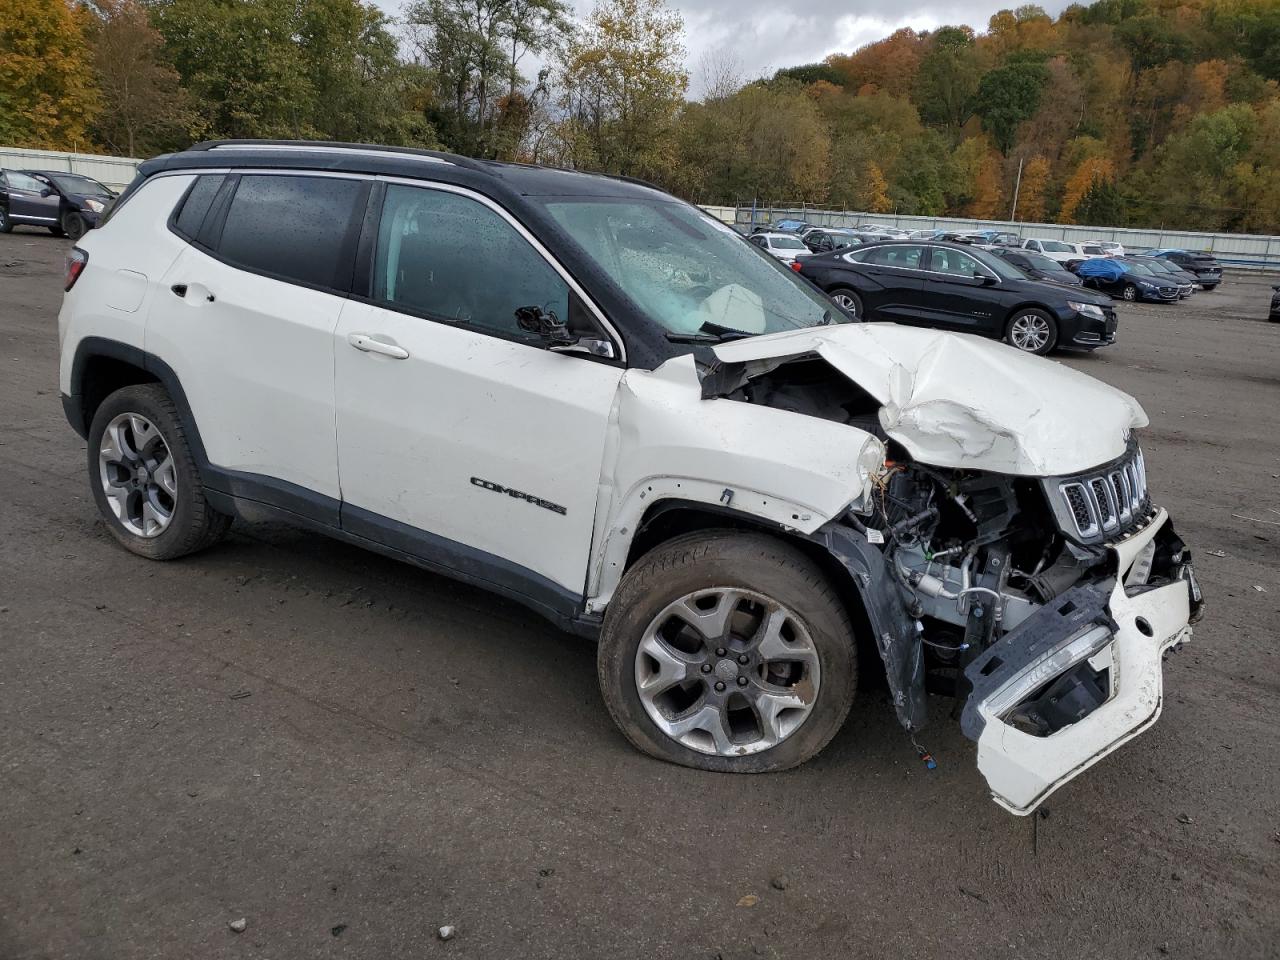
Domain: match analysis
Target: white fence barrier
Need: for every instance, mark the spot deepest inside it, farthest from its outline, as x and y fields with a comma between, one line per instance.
x=115, y=172
x=1248, y=251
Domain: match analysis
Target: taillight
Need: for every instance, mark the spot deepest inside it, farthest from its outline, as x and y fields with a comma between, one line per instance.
x=796, y=265
x=76, y=261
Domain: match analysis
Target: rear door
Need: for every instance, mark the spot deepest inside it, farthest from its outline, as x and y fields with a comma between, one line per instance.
x=894, y=280
x=961, y=293
x=246, y=317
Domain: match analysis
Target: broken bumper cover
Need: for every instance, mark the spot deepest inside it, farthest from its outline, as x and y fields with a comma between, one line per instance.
x=1094, y=657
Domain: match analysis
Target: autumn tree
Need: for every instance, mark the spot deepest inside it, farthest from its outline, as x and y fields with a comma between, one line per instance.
x=623, y=82
x=48, y=95
x=1091, y=171
x=886, y=66
x=144, y=108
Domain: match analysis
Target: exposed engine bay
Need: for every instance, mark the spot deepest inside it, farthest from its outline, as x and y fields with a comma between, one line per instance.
x=1007, y=593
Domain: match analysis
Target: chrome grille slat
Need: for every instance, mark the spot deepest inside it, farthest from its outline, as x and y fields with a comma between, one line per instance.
x=1107, y=502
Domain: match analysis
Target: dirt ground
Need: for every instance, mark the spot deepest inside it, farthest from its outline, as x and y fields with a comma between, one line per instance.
x=350, y=753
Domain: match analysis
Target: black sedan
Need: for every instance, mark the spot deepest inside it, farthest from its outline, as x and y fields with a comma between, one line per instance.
x=946, y=285
x=1205, y=267
x=77, y=201
x=1037, y=266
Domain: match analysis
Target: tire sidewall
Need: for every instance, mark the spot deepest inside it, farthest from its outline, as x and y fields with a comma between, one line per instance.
x=860, y=308
x=1053, y=331
x=74, y=225
x=6, y=225
x=146, y=400
x=758, y=563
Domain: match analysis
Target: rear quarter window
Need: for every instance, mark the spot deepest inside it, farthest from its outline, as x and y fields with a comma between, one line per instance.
x=299, y=229
x=194, y=207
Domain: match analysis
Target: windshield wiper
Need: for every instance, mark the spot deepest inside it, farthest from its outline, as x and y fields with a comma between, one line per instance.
x=710, y=333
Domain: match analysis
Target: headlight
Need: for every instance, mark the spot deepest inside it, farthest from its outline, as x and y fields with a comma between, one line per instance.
x=1049, y=665
x=1146, y=285
x=1088, y=309
x=94, y=205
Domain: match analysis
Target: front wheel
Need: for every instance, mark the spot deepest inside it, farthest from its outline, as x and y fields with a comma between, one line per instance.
x=1032, y=331
x=848, y=301
x=6, y=225
x=74, y=225
x=729, y=652
x=144, y=479
x=1130, y=292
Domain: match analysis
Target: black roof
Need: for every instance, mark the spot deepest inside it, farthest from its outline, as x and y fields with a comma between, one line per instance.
x=522, y=179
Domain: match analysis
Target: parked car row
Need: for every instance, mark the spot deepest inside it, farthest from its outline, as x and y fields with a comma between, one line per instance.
x=936, y=283
x=63, y=203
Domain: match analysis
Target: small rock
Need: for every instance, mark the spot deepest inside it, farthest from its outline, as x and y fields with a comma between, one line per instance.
x=1183, y=818
x=779, y=883
x=1260, y=589
x=1216, y=553
x=750, y=900
x=337, y=931
x=446, y=932
x=237, y=926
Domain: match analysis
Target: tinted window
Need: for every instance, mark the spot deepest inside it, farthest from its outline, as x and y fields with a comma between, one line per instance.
x=424, y=266
x=195, y=205
x=20, y=181
x=953, y=262
x=295, y=228
x=906, y=256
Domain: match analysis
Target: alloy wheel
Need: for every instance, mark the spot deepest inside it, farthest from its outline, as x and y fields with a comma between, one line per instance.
x=727, y=671
x=846, y=303
x=1030, y=332
x=138, y=475
x=1131, y=292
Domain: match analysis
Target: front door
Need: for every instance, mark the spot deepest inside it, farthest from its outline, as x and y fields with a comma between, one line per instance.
x=26, y=205
x=463, y=439
x=962, y=294
x=896, y=272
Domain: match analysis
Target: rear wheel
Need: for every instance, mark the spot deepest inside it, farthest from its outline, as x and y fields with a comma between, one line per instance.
x=6, y=225
x=848, y=301
x=144, y=478
x=1033, y=331
x=74, y=225
x=729, y=652
x=1206, y=287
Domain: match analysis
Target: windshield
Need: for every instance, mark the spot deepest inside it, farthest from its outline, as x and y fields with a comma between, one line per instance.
x=1002, y=267
x=71, y=183
x=1056, y=246
x=1139, y=268
x=786, y=243
x=686, y=270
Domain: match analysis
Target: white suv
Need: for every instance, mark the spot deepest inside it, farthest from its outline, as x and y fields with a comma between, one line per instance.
x=594, y=399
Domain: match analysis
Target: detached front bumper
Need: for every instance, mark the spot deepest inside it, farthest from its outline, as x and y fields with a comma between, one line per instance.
x=1083, y=675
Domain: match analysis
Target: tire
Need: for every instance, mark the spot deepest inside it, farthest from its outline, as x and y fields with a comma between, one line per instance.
x=74, y=225
x=749, y=574
x=131, y=462
x=6, y=225
x=57, y=231
x=1031, y=331
x=1130, y=292
x=1208, y=288
x=848, y=299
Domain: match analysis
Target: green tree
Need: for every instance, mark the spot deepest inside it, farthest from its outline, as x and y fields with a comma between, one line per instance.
x=1007, y=96
x=623, y=82
x=948, y=78
x=811, y=73
x=145, y=110
x=47, y=92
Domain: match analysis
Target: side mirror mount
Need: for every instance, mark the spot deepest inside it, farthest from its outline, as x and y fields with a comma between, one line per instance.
x=556, y=333
x=986, y=279
x=46, y=192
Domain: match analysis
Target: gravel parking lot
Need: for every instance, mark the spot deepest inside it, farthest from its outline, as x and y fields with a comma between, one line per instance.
x=350, y=753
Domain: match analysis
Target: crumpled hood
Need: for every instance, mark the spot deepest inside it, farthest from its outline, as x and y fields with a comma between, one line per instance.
x=961, y=401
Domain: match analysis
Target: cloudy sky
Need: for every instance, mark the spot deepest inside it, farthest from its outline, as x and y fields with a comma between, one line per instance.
x=768, y=34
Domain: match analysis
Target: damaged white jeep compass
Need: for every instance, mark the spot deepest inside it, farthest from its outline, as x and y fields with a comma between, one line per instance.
x=594, y=399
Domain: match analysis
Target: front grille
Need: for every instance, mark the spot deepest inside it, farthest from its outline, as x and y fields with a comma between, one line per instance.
x=1105, y=503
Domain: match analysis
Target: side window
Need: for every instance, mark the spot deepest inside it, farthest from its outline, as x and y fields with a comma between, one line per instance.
x=195, y=205
x=954, y=262
x=20, y=181
x=896, y=255
x=422, y=266
x=300, y=229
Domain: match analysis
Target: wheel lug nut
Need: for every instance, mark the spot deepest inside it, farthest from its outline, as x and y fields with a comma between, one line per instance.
x=742, y=659
x=742, y=681
x=720, y=651
x=719, y=686
x=706, y=668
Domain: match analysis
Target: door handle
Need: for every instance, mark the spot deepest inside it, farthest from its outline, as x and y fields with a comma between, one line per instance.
x=363, y=341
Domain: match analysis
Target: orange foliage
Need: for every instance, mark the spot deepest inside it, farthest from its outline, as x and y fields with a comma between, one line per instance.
x=889, y=65
x=1091, y=170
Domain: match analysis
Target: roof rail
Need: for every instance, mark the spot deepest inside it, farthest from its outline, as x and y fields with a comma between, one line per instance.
x=434, y=156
